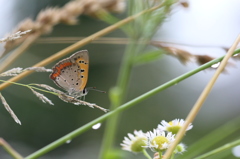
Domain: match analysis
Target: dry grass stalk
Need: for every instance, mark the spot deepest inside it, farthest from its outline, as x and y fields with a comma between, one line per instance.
x=185, y=4
x=43, y=98
x=47, y=87
x=12, y=72
x=202, y=59
x=69, y=99
x=9, y=149
x=17, y=70
x=183, y=55
x=7, y=107
x=68, y=14
x=14, y=36
x=37, y=69
x=50, y=17
x=63, y=96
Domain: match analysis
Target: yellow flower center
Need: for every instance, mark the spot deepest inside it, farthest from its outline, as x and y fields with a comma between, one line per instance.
x=179, y=149
x=170, y=123
x=173, y=129
x=159, y=140
x=138, y=143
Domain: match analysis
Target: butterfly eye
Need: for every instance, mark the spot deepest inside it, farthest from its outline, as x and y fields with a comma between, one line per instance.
x=85, y=91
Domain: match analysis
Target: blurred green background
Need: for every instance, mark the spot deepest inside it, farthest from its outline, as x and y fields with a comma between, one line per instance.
x=42, y=123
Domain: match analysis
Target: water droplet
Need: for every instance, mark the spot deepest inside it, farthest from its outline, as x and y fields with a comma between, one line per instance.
x=215, y=65
x=96, y=126
x=236, y=151
x=68, y=141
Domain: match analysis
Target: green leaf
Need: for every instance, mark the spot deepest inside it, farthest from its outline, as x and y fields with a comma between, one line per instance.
x=148, y=57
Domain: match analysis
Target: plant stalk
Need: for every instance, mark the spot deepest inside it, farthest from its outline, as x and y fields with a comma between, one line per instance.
x=9, y=149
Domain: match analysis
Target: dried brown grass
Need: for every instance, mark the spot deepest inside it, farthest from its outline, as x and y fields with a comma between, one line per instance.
x=68, y=14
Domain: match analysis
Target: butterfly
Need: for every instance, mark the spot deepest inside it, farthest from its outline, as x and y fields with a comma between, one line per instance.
x=71, y=74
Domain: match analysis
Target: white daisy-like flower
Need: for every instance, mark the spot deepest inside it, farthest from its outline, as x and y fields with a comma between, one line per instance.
x=173, y=126
x=158, y=140
x=134, y=142
x=180, y=148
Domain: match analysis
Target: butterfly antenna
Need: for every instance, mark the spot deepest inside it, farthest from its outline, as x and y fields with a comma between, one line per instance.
x=94, y=89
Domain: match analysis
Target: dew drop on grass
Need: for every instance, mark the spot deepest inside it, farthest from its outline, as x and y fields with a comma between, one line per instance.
x=236, y=151
x=68, y=141
x=96, y=126
x=215, y=65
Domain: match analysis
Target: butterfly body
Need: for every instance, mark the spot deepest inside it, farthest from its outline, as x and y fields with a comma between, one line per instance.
x=71, y=74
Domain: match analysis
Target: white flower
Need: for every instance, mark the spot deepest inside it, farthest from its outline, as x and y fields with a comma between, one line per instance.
x=180, y=148
x=134, y=143
x=158, y=140
x=173, y=126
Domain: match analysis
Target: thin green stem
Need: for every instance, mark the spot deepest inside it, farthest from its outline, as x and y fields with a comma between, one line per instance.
x=125, y=106
x=28, y=85
x=146, y=154
x=220, y=149
x=160, y=154
x=9, y=149
x=20, y=84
